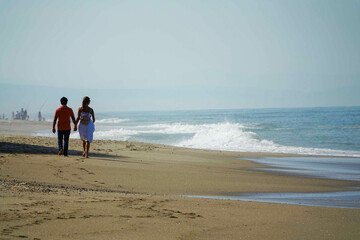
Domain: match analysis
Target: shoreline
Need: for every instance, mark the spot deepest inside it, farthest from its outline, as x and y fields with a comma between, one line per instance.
x=245, y=159
x=341, y=199
x=35, y=128
x=250, y=157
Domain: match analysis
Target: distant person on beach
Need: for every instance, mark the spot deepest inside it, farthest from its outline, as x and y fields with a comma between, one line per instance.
x=86, y=116
x=22, y=117
x=63, y=113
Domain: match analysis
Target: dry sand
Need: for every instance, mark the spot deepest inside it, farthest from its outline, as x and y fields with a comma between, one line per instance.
x=128, y=190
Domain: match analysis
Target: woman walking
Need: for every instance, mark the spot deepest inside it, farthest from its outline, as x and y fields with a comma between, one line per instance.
x=86, y=128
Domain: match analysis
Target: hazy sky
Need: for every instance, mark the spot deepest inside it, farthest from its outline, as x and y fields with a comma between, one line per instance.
x=156, y=55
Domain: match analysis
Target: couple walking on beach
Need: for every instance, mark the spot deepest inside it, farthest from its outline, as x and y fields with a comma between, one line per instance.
x=86, y=127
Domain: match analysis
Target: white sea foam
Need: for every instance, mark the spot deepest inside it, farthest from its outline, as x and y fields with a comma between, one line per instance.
x=112, y=120
x=50, y=134
x=232, y=137
x=115, y=134
x=218, y=136
x=222, y=136
x=174, y=128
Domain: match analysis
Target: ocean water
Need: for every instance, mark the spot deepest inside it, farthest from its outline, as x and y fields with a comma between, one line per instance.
x=347, y=199
x=340, y=168
x=333, y=131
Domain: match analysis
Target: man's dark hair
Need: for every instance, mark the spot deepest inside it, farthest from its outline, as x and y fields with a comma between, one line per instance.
x=63, y=101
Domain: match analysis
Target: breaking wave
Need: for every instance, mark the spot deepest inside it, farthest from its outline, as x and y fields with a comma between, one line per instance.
x=217, y=136
x=112, y=120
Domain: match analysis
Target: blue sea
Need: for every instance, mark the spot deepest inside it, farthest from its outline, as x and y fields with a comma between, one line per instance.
x=332, y=131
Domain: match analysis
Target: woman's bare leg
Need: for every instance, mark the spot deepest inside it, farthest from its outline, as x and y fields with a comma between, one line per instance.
x=87, y=149
x=83, y=145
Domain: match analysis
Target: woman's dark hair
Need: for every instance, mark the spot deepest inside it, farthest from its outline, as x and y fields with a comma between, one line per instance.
x=86, y=100
x=63, y=101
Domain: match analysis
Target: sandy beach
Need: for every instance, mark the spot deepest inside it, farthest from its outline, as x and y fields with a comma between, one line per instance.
x=129, y=190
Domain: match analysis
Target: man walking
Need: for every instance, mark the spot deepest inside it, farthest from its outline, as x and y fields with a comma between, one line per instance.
x=63, y=113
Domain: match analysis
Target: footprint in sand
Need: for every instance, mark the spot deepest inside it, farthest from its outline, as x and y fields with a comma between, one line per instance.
x=6, y=232
x=88, y=172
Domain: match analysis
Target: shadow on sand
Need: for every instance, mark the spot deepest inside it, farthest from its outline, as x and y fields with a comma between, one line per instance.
x=22, y=148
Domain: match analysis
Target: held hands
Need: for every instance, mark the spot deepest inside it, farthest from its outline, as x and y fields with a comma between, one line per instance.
x=54, y=130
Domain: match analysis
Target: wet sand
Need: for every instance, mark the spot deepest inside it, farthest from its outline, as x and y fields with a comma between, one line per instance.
x=22, y=128
x=128, y=190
